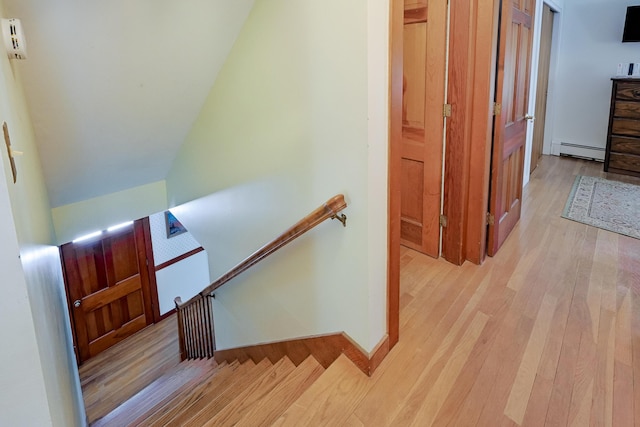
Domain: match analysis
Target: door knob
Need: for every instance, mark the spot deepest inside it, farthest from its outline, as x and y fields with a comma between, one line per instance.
x=529, y=117
x=77, y=303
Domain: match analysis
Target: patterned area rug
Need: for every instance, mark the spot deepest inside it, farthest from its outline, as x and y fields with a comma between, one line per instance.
x=610, y=205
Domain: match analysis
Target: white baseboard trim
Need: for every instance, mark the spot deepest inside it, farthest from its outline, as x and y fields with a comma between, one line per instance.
x=584, y=151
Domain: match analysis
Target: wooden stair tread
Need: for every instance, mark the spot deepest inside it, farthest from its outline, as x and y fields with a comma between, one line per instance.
x=119, y=354
x=213, y=400
x=103, y=403
x=197, y=396
x=158, y=392
x=330, y=399
x=174, y=402
x=269, y=409
x=243, y=402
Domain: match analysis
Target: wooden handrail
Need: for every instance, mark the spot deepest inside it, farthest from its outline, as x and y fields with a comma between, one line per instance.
x=195, y=316
x=328, y=210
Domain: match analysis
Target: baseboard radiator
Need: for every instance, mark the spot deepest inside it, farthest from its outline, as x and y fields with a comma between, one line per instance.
x=578, y=150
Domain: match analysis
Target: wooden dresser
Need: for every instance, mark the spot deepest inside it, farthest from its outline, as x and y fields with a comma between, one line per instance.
x=623, y=140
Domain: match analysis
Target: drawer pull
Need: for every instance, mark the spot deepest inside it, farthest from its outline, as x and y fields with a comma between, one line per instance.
x=636, y=93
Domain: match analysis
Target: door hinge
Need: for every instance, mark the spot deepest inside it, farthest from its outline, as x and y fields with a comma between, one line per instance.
x=490, y=218
x=446, y=110
x=444, y=220
x=497, y=108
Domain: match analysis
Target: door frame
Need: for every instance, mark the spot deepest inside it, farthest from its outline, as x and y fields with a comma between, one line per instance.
x=533, y=84
x=513, y=124
x=472, y=54
x=396, y=59
x=541, y=91
x=535, y=61
x=469, y=129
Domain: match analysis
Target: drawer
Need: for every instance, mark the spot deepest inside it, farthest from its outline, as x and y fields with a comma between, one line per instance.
x=627, y=162
x=628, y=91
x=627, y=109
x=625, y=127
x=620, y=144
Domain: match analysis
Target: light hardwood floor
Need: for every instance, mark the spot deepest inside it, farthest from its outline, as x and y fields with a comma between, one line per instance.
x=121, y=371
x=545, y=333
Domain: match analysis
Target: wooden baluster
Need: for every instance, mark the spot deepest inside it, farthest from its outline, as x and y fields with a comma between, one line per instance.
x=194, y=323
x=179, y=315
x=190, y=330
x=187, y=337
x=204, y=327
x=212, y=335
x=199, y=327
x=194, y=331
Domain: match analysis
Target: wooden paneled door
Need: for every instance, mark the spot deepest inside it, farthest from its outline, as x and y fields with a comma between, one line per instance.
x=546, y=35
x=424, y=51
x=107, y=282
x=510, y=125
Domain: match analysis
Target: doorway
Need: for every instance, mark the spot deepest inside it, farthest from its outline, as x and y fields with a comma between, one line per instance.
x=515, y=42
x=546, y=36
x=423, y=94
x=107, y=281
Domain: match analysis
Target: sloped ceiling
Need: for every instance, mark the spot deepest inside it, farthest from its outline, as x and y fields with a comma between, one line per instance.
x=114, y=86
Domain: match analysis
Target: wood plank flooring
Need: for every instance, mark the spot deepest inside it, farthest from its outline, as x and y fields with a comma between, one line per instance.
x=116, y=374
x=545, y=333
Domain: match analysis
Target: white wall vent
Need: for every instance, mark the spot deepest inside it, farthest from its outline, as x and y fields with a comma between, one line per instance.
x=14, y=40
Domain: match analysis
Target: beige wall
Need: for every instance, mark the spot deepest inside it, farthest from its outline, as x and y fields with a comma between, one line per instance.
x=77, y=219
x=20, y=368
x=37, y=365
x=298, y=114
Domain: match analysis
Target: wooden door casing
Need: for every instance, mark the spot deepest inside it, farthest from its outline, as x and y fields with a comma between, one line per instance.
x=107, y=281
x=424, y=54
x=510, y=126
x=546, y=35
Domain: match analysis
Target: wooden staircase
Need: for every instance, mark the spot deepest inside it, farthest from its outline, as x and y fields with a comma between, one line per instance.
x=251, y=386
x=201, y=392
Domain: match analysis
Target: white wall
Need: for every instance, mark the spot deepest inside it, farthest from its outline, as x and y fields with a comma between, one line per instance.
x=298, y=114
x=77, y=219
x=183, y=279
x=38, y=375
x=47, y=296
x=590, y=49
x=24, y=401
